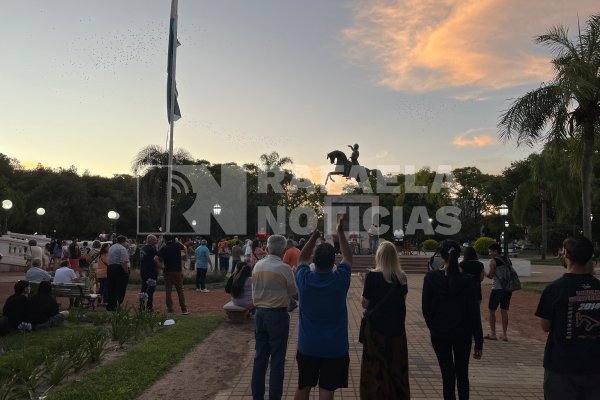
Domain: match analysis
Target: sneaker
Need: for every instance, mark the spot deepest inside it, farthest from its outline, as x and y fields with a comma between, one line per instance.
x=205, y=290
x=185, y=313
x=198, y=290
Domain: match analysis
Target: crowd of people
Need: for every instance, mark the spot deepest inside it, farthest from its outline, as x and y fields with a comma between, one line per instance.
x=271, y=279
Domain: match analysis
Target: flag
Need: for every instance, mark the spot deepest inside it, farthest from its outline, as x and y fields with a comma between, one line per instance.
x=173, y=44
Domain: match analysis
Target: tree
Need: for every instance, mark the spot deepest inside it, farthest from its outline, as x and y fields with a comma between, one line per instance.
x=571, y=101
x=149, y=163
x=550, y=183
x=273, y=161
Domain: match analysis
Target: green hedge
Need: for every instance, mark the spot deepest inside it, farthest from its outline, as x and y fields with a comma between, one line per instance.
x=430, y=245
x=482, y=244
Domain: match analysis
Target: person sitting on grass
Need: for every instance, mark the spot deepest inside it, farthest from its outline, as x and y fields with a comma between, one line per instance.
x=42, y=309
x=15, y=307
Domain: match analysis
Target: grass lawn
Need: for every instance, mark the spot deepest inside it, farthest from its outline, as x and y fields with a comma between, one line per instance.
x=144, y=363
x=123, y=378
x=535, y=287
x=547, y=261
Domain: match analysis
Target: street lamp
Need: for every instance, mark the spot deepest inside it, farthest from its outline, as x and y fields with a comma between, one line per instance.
x=113, y=216
x=6, y=205
x=40, y=211
x=504, y=212
x=217, y=211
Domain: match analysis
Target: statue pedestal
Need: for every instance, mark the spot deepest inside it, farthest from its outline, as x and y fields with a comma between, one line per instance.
x=359, y=213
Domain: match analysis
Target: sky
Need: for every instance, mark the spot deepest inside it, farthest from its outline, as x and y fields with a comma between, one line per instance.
x=413, y=82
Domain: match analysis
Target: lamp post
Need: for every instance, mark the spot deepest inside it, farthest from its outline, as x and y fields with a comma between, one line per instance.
x=113, y=216
x=217, y=211
x=40, y=211
x=504, y=212
x=6, y=205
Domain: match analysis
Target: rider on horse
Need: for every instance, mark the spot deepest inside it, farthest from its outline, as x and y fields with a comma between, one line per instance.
x=353, y=159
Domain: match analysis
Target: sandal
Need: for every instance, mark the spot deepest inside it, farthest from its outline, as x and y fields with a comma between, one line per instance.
x=490, y=337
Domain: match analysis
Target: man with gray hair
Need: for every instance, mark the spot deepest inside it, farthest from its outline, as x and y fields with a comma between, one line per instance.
x=36, y=273
x=272, y=287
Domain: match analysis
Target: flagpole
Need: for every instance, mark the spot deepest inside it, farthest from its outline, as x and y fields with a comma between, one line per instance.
x=172, y=117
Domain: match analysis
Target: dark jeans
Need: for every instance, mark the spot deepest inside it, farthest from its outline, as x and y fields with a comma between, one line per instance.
x=149, y=289
x=453, y=357
x=559, y=386
x=223, y=264
x=117, y=285
x=234, y=264
x=103, y=289
x=271, y=331
x=201, y=278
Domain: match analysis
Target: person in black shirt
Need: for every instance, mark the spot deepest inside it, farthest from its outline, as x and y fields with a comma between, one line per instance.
x=451, y=310
x=42, y=309
x=15, y=307
x=149, y=269
x=170, y=256
x=472, y=266
x=384, y=366
x=569, y=309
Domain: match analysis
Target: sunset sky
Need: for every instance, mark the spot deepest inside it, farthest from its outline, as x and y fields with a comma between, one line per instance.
x=412, y=82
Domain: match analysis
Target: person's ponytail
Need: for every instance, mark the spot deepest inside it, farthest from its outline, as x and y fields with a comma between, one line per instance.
x=450, y=252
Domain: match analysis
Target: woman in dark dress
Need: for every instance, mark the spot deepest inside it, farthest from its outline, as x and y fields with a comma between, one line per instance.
x=384, y=367
x=451, y=310
x=472, y=266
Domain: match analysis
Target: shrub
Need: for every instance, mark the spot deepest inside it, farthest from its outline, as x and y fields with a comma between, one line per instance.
x=482, y=244
x=96, y=342
x=121, y=327
x=430, y=245
x=58, y=367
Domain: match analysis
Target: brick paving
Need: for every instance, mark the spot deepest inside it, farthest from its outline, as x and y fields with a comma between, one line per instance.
x=508, y=370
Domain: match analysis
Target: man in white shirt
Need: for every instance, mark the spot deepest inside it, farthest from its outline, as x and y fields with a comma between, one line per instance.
x=117, y=272
x=65, y=274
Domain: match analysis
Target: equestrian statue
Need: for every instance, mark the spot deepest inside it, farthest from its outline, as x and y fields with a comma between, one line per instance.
x=349, y=168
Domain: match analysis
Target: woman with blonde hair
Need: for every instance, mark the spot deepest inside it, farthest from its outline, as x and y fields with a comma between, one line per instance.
x=384, y=367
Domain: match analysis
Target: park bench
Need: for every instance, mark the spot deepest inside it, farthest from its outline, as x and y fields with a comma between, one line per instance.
x=236, y=314
x=79, y=294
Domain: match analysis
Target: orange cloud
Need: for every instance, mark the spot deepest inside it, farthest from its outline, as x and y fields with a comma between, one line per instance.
x=467, y=139
x=425, y=45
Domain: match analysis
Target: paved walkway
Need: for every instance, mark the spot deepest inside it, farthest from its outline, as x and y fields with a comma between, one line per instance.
x=508, y=370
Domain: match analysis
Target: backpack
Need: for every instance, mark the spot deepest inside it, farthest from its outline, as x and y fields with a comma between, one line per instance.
x=509, y=280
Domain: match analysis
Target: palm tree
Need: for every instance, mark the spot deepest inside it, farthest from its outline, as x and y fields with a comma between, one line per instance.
x=274, y=161
x=147, y=163
x=570, y=102
x=550, y=182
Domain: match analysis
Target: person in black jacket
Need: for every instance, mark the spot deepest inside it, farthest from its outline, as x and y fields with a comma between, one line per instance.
x=15, y=307
x=42, y=309
x=451, y=310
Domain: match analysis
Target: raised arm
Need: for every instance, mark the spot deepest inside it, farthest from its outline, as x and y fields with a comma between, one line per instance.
x=307, y=250
x=344, y=246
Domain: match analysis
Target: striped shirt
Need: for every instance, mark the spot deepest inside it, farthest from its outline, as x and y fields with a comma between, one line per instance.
x=272, y=283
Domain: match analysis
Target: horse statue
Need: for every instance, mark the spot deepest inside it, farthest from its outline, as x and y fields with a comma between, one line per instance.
x=347, y=168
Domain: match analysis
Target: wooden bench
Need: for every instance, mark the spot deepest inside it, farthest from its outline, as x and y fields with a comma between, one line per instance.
x=236, y=314
x=80, y=293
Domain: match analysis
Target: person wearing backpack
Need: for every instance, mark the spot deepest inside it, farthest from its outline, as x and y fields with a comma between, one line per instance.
x=499, y=296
